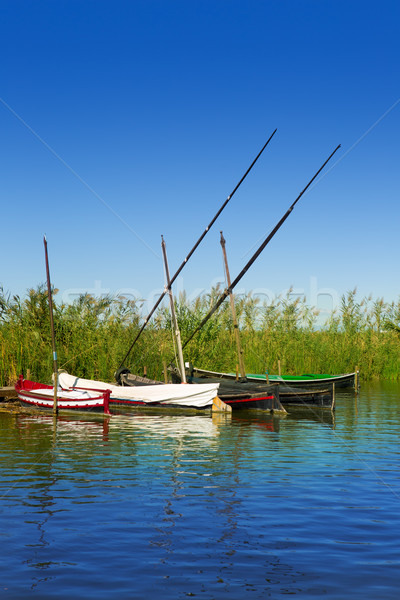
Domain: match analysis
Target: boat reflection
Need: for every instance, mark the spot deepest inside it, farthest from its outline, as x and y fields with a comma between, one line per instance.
x=176, y=427
x=264, y=421
x=65, y=425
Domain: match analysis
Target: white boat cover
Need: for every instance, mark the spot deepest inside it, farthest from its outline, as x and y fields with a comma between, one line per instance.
x=198, y=396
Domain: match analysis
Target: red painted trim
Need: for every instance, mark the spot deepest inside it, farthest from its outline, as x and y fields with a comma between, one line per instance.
x=249, y=399
x=26, y=384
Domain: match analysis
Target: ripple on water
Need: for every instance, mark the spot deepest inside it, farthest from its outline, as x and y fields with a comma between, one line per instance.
x=135, y=506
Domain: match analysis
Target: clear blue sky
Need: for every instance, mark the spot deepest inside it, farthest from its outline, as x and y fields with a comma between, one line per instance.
x=121, y=121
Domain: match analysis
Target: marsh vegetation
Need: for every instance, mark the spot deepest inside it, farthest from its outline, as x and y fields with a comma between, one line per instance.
x=94, y=334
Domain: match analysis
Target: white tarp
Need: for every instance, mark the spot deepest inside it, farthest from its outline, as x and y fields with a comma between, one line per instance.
x=197, y=395
x=67, y=394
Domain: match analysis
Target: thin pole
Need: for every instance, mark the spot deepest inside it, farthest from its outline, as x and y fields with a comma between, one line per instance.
x=174, y=319
x=256, y=254
x=207, y=229
x=233, y=310
x=53, y=337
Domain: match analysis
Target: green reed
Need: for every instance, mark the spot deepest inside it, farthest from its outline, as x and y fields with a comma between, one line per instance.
x=94, y=334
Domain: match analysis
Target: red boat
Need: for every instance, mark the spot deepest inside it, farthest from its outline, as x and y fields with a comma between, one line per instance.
x=40, y=395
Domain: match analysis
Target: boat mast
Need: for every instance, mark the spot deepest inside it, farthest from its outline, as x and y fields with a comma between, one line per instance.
x=53, y=337
x=174, y=319
x=233, y=310
x=195, y=247
x=256, y=254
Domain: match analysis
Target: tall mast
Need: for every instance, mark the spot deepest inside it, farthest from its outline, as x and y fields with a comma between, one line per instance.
x=174, y=319
x=233, y=310
x=53, y=336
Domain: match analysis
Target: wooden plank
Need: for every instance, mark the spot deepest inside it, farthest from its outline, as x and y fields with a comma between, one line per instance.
x=8, y=392
x=220, y=406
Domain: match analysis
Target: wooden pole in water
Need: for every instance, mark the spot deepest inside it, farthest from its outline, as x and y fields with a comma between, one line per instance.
x=174, y=319
x=53, y=336
x=233, y=310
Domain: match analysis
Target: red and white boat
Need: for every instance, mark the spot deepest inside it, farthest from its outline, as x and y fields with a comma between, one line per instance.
x=32, y=393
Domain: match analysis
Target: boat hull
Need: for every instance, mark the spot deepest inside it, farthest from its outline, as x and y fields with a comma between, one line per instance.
x=253, y=402
x=233, y=394
x=38, y=395
x=302, y=398
x=305, y=381
x=288, y=397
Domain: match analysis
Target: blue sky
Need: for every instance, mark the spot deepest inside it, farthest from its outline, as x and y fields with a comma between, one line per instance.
x=121, y=121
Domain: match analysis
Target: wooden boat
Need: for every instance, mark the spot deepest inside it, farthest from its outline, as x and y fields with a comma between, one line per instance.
x=154, y=395
x=289, y=397
x=235, y=396
x=305, y=381
x=137, y=391
x=39, y=395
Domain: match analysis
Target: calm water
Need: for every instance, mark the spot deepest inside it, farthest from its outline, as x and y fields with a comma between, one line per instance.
x=174, y=507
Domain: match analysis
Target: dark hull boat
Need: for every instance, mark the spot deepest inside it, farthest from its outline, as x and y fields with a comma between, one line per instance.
x=289, y=397
x=265, y=397
x=309, y=381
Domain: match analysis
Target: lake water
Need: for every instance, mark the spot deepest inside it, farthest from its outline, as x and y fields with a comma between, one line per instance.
x=174, y=507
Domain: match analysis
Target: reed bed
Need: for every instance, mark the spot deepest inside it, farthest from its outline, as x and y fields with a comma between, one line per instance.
x=94, y=334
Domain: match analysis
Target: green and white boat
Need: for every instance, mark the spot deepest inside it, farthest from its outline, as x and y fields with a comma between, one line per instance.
x=306, y=381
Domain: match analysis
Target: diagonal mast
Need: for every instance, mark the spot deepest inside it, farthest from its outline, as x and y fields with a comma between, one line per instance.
x=229, y=289
x=195, y=247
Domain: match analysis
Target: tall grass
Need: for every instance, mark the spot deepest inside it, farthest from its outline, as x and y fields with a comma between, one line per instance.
x=93, y=335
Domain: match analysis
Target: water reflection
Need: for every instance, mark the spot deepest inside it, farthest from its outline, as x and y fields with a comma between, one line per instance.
x=43, y=439
x=69, y=426
x=199, y=506
x=199, y=428
x=40, y=503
